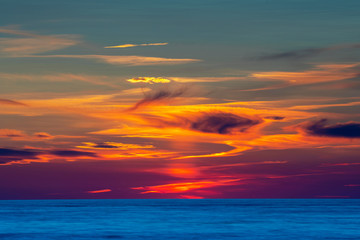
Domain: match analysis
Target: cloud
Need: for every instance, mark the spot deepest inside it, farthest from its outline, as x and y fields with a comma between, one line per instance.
x=100, y=191
x=150, y=80
x=12, y=133
x=186, y=186
x=309, y=52
x=222, y=123
x=11, y=102
x=62, y=77
x=137, y=45
x=8, y=155
x=43, y=135
x=275, y=117
x=322, y=128
x=125, y=60
x=320, y=74
x=18, y=153
x=23, y=156
x=33, y=43
x=160, y=95
x=24, y=46
x=114, y=145
x=205, y=79
x=20, y=135
x=72, y=153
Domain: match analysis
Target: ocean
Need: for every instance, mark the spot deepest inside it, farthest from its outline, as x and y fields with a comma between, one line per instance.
x=181, y=219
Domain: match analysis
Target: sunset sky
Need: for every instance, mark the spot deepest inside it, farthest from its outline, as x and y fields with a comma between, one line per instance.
x=179, y=99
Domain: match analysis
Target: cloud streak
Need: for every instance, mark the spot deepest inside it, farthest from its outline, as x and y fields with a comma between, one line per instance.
x=100, y=191
x=62, y=77
x=124, y=60
x=309, y=52
x=319, y=74
x=137, y=45
x=11, y=102
x=33, y=43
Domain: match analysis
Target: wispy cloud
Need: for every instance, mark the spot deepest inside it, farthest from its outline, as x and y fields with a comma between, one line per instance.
x=137, y=45
x=12, y=133
x=152, y=80
x=43, y=135
x=11, y=102
x=319, y=74
x=308, y=52
x=33, y=43
x=62, y=77
x=125, y=60
x=205, y=79
x=160, y=95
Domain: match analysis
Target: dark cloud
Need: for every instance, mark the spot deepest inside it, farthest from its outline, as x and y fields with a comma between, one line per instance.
x=295, y=54
x=10, y=155
x=322, y=128
x=72, y=153
x=309, y=52
x=13, y=135
x=274, y=117
x=222, y=123
x=104, y=145
x=18, y=153
x=11, y=102
x=159, y=95
x=43, y=135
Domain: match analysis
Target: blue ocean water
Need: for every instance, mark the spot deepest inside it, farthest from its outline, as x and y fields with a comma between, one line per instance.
x=181, y=219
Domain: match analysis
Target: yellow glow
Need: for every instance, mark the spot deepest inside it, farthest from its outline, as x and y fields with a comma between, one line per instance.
x=137, y=45
x=150, y=80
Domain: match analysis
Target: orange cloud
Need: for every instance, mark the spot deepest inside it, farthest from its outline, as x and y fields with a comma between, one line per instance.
x=11, y=102
x=137, y=45
x=191, y=197
x=100, y=191
x=12, y=133
x=185, y=186
x=43, y=135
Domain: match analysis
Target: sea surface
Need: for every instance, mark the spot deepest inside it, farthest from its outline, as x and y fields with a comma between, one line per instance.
x=181, y=219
